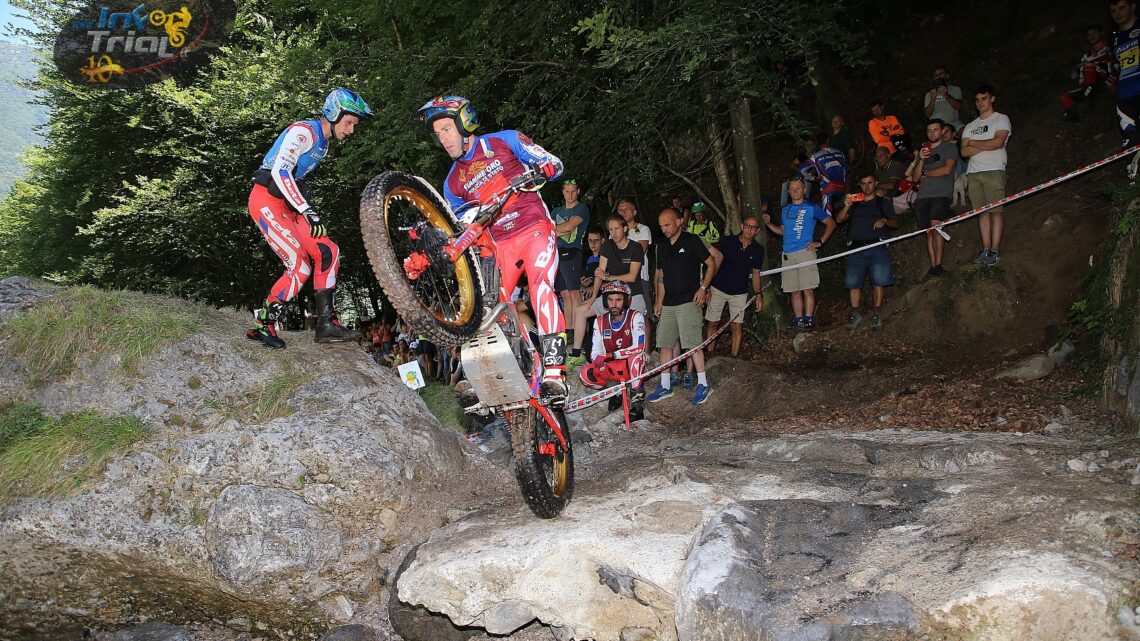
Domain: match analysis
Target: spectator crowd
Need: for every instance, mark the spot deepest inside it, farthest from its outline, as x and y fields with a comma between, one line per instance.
x=676, y=285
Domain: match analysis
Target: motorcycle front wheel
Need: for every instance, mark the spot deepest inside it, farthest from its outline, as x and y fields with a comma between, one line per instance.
x=401, y=216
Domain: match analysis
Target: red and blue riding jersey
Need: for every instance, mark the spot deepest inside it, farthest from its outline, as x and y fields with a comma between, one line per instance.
x=487, y=169
x=831, y=167
x=1125, y=45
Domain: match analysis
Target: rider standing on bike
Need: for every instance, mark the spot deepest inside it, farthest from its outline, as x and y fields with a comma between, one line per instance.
x=618, y=350
x=523, y=232
x=279, y=204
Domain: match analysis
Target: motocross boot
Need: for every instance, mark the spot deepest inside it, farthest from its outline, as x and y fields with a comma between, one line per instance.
x=329, y=329
x=264, y=326
x=553, y=390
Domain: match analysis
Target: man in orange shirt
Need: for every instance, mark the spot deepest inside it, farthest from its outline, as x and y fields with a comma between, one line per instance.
x=884, y=128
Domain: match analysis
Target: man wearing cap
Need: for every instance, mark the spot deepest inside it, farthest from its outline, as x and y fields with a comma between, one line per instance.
x=570, y=222
x=702, y=226
x=797, y=226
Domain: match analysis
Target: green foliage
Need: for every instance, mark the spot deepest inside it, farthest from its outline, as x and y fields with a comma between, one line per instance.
x=443, y=405
x=85, y=322
x=147, y=189
x=42, y=456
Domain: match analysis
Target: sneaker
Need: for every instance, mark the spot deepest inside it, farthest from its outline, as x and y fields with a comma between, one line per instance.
x=876, y=322
x=674, y=379
x=982, y=257
x=808, y=326
x=939, y=271
x=574, y=362
x=993, y=258
x=702, y=394
x=659, y=394
x=1070, y=115
x=688, y=380
x=932, y=272
x=854, y=320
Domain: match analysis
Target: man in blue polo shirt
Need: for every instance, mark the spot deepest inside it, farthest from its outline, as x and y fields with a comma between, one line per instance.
x=742, y=261
x=797, y=226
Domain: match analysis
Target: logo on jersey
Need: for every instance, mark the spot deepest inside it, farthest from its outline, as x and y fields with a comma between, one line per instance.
x=479, y=175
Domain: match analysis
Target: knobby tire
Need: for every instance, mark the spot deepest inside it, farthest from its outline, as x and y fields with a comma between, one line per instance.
x=444, y=306
x=546, y=482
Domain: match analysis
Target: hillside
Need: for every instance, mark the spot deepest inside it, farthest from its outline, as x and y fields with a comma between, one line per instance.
x=21, y=116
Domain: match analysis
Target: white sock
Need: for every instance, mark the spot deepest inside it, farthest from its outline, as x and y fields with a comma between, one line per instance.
x=701, y=380
x=667, y=381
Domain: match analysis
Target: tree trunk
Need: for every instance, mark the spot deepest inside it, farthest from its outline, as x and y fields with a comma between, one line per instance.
x=720, y=159
x=747, y=164
x=817, y=69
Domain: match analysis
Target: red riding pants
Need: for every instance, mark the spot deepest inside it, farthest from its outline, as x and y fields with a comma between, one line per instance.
x=288, y=234
x=534, y=252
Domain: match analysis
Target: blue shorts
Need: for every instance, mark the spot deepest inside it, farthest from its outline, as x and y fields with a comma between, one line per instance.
x=874, y=262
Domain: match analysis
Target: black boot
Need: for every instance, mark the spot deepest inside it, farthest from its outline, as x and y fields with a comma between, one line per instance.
x=553, y=389
x=264, y=326
x=329, y=329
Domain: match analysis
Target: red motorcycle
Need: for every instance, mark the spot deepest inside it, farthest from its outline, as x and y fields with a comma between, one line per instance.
x=444, y=283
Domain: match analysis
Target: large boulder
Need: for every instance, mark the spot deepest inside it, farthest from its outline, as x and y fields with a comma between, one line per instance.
x=878, y=535
x=272, y=490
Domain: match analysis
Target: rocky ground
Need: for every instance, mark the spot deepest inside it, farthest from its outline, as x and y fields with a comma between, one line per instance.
x=835, y=487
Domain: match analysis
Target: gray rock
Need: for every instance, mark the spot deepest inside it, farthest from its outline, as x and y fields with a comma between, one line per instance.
x=1030, y=369
x=777, y=570
x=18, y=294
x=154, y=631
x=270, y=540
x=800, y=343
x=417, y=623
x=1054, y=428
x=1077, y=465
x=1093, y=467
x=1061, y=352
x=353, y=632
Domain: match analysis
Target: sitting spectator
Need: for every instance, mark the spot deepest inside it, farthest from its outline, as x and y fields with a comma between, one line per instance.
x=619, y=259
x=944, y=100
x=618, y=350
x=704, y=228
x=841, y=139
x=742, y=260
x=797, y=226
x=455, y=366
x=934, y=170
x=681, y=291
x=1092, y=74
x=830, y=165
x=885, y=129
x=890, y=176
x=984, y=144
x=571, y=221
x=402, y=354
x=870, y=216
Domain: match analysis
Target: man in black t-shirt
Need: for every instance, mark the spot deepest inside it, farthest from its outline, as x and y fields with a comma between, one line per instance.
x=871, y=216
x=681, y=292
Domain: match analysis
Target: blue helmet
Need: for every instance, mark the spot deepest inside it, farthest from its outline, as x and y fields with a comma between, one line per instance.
x=342, y=101
x=457, y=108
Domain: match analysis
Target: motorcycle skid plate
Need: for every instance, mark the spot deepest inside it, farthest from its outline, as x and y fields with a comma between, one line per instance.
x=490, y=366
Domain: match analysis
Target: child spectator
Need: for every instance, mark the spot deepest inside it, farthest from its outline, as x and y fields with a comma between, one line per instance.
x=1092, y=74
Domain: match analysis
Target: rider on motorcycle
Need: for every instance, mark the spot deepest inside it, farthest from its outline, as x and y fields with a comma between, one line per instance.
x=524, y=234
x=618, y=349
x=279, y=204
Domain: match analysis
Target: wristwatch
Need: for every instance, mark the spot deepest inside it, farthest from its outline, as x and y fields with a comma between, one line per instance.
x=704, y=289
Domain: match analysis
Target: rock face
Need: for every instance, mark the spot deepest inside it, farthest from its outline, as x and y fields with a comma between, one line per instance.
x=776, y=569
x=1030, y=369
x=272, y=491
x=880, y=535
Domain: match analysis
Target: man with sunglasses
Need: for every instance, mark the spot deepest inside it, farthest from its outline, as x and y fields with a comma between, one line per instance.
x=742, y=261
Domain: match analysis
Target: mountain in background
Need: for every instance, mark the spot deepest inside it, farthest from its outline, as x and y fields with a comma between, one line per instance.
x=20, y=115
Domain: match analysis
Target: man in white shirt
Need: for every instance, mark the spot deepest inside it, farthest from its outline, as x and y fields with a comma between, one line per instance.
x=983, y=142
